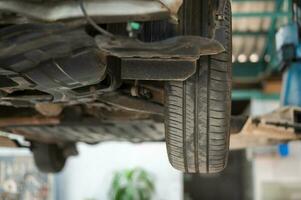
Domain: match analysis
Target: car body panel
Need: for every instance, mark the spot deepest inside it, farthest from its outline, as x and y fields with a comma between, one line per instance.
x=103, y=11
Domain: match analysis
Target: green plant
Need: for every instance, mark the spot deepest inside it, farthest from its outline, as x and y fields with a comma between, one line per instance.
x=132, y=184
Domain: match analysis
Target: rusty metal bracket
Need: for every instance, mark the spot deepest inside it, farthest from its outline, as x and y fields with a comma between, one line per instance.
x=277, y=127
x=7, y=142
x=23, y=121
x=132, y=104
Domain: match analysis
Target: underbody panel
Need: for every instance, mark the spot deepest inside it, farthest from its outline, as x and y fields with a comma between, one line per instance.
x=102, y=11
x=72, y=80
x=42, y=63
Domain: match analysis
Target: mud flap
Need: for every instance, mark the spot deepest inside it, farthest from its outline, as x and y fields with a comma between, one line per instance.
x=171, y=59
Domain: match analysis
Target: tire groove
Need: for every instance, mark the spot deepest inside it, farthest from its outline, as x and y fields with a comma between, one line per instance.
x=196, y=123
x=208, y=115
x=184, y=127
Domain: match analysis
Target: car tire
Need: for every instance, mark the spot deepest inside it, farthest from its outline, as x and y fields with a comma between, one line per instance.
x=198, y=110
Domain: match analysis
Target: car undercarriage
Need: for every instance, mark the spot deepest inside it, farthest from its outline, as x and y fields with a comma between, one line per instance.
x=98, y=70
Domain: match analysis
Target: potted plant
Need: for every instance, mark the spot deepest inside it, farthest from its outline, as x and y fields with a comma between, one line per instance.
x=132, y=184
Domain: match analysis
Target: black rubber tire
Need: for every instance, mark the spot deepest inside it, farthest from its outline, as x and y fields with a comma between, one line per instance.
x=49, y=158
x=198, y=110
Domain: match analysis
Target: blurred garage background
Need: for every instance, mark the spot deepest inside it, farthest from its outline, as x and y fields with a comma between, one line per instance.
x=126, y=171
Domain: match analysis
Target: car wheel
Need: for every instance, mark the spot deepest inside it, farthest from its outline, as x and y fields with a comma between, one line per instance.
x=198, y=110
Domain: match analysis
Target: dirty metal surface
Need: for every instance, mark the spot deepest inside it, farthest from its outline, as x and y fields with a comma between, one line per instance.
x=256, y=131
x=132, y=104
x=155, y=69
x=180, y=47
x=102, y=11
x=134, y=131
x=7, y=142
x=23, y=121
x=171, y=59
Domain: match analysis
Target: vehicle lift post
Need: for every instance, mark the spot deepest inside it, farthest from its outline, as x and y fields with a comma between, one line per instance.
x=284, y=124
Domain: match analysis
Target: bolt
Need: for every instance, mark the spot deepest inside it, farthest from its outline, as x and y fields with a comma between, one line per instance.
x=146, y=93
